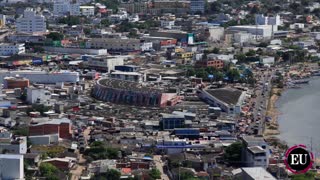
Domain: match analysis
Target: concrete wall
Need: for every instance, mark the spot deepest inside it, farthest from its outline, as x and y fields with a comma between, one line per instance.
x=76, y=50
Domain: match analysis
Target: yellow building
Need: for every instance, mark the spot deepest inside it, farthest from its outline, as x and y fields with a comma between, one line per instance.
x=185, y=55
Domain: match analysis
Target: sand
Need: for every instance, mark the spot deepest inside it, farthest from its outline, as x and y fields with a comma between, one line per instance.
x=272, y=126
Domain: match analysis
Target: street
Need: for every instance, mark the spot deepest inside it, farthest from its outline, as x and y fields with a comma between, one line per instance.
x=159, y=165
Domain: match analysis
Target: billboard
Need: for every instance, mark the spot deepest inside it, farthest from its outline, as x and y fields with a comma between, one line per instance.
x=37, y=61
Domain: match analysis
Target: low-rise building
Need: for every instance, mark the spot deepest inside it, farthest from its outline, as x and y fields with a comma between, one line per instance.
x=105, y=63
x=216, y=63
x=9, y=49
x=114, y=44
x=55, y=126
x=13, y=145
x=38, y=95
x=11, y=166
x=87, y=10
x=127, y=76
x=256, y=152
x=228, y=99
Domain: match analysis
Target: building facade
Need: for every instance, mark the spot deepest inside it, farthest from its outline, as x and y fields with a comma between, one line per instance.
x=131, y=93
x=87, y=10
x=55, y=126
x=266, y=20
x=114, y=44
x=11, y=166
x=8, y=49
x=31, y=22
x=61, y=8
x=197, y=6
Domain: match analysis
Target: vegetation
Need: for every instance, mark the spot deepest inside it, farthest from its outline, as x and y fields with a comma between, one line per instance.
x=49, y=171
x=70, y=20
x=39, y=108
x=126, y=26
x=21, y=131
x=307, y=176
x=155, y=174
x=233, y=153
x=51, y=151
x=99, y=150
x=55, y=36
x=111, y=4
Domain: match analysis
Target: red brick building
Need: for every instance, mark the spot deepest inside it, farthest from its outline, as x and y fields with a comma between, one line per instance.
x=12, y=83
x=216, y=63
x=55, y=126
x=60, y=163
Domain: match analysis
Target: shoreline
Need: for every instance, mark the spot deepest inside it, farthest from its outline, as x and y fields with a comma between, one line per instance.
x=272, y=126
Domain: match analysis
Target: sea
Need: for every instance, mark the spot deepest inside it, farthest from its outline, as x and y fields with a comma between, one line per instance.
x=299, y=115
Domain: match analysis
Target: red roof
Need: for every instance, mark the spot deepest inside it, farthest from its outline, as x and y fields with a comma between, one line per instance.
x=126, y=170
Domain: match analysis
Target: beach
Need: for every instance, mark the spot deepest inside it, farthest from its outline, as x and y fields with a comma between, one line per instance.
x=271, y=127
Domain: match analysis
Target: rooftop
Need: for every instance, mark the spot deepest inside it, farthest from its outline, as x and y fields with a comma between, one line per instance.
x=258, y=173
x=127, y=85
x=256, y=149
x=227, y=95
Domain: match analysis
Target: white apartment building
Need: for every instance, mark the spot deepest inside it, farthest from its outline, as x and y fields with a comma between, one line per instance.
x=11, y=166
x=31, y=22
x=105, y=63
x=120, y=16
x=35, y=95
x=167, y=24
x=266, y=20
x=258, y=31
x=8, y=49
x=61, y=8
x=87, y=10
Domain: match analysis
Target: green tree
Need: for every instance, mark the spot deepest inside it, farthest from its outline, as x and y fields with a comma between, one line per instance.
x=70, y=20
x=232, y=153
x=49, y=171
x=233, y=74
x=307, y=176
x=187, y=175
x=155, y=174
x=216, y=50
x=241, y=58
x=105, y=22
x=251, y=53
x=55, y=36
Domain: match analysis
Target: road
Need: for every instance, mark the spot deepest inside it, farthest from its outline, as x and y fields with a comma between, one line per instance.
x=159, y=165
x=262, y=92
x=262, y=100
x=77, y=172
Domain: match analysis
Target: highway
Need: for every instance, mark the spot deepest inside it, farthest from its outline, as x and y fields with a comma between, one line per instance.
x=261, y=101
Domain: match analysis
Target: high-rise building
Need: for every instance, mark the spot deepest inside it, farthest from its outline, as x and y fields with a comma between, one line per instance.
x=268, y=20
x=197, y=6
x=62, y=7
x=31, y=22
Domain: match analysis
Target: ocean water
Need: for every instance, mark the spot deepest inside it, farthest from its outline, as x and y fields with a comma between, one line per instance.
x=299, y=118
